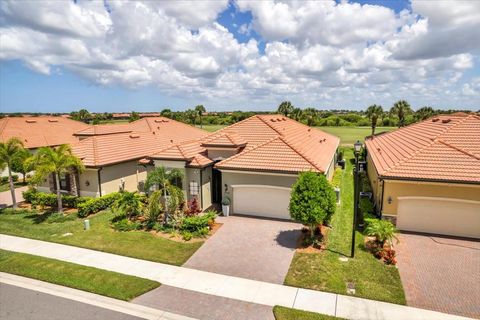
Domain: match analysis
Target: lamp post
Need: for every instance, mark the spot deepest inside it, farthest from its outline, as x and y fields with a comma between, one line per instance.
x=357, y=146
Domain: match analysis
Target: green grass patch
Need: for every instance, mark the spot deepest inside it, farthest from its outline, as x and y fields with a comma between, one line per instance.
x=6, y=186
x=106, y=283
x=211, y=127
x=324, y=271
x=136, y=244
x=283, y=313
x=349, y=135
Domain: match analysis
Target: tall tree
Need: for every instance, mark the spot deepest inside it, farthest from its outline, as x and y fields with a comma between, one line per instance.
x=310, y=116
x=191, y=116
x=401, y=108
x=8, y=151
x=134, y=116
x=285, y=108
x=166, y=181
x=424, y=113
x=167, y=113
x=373, y=113
x=18, y=162
x=56, y=161
x=200, y=110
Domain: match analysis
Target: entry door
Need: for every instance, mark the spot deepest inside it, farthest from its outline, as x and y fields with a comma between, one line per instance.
x=216, y=186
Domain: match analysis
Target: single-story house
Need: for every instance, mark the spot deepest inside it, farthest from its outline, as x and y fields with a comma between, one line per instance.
x=426, y=176
x=254, y=162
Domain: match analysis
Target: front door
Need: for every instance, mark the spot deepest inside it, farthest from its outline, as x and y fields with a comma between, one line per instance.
x=216, y=186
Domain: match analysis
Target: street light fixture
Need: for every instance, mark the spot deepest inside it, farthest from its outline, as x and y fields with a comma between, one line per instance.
x=357, y=147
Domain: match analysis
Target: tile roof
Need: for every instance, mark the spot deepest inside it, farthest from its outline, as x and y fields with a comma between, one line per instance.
x=191, y=152
x=280, y=144
x=224, y=139
x=443, y=148
x=42, y=131
x=101, y=129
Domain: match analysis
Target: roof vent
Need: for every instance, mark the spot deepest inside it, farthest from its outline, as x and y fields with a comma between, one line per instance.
x=134, y=136
x=52, y=120
x=171, y=140
x=446, y=120
x=435, y=119
x=31, y=121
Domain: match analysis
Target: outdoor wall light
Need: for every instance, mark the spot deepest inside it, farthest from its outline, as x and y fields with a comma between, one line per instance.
x=389, y=200
x=87, y=183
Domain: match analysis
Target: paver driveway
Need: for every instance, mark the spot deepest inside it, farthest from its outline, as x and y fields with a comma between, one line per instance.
x=442, y=274
x=252, y=248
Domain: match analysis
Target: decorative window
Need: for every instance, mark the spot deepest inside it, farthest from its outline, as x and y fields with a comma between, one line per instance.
x=194, y=188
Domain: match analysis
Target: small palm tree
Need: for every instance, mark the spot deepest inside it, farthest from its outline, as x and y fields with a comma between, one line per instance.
x=285, y=108
x=129, y=204
x=383, y=230
x=297, y=114
x=401, y=109
x=424, y=113
x=154, y=208
x=373, y=112
x=165, y=181
x=8, y=152
x=56, y=161
x=200, y=110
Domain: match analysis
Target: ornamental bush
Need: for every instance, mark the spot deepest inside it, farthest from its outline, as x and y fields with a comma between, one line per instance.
x=43, y=199
x=312, y=200
x=94, y=205
x=198, y=224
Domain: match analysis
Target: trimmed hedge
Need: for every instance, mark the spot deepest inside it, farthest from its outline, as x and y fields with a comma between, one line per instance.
x=198, y=224
x=50, y=199
x=94, y=205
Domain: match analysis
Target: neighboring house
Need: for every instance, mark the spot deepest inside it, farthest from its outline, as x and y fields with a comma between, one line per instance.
x=254, y=162
x=427, y=175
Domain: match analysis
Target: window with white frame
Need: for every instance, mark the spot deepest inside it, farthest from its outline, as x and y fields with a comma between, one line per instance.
x=194, y=188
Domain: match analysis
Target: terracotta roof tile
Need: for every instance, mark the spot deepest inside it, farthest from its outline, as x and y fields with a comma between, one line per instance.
x=445, y=148
x=191, y=152
x=102, y=129
x=37, y=132
x=225, y=139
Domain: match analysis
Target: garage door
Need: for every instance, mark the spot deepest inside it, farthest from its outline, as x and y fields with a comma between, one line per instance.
x=445, y=216
x=263, y=201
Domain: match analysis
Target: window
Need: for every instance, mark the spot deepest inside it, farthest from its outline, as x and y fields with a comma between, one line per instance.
x=64, y=182
x=194, y=188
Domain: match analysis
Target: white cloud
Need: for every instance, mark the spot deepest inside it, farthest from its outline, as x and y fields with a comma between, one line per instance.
x=319, y=53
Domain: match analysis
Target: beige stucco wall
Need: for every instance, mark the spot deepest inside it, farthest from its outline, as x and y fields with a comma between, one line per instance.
x=193, y=174
x=130, y=171
x=395, y=189
x=234, y=178
x=207, y=187
x=374, y=182
x=217, y=153
x=331, y=169
x=91, y=190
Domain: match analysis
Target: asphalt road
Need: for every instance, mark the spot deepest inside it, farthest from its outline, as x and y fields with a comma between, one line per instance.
x=23, y=304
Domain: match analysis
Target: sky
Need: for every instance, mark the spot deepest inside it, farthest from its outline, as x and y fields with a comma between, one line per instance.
x=112, y=56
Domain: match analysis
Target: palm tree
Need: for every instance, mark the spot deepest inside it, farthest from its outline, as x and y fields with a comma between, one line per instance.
x=128, y=204
x=401, y=108
x=285, y=108
x=56, y=161
x=424, y=113
x=297, y=114
x=373, y=112
x=383, y=230
x=165, y=181
x=310, y=115
x=200, y=110
x=18, y=162
x=8, y=152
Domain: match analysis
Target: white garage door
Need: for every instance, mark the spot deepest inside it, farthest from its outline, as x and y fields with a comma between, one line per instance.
x=453, y=217
x=263, y=201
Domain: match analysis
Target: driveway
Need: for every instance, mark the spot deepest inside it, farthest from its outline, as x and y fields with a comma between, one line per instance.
x=252, y=248
x=441, y=274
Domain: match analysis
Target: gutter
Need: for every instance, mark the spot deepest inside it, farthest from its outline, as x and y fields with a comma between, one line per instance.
x=99, y=176
x=428, y=180
x=383, y=194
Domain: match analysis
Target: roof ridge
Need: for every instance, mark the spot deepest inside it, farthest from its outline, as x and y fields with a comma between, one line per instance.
x=299, y=153
x=94, y=142
x=459, y=149
x=222, y=130
x=410, y=156
x=250, y=150
x=268, y=124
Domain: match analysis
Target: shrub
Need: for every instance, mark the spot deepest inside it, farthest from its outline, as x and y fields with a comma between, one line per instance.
x=195, y=224
x=124, y=225
x=366, y=206
x=312, y=201
x=383, y=230
x=187, y=235
x=15, y=177
x=388, y=256
x=50, y=199
x=129, y=204
x=4, y=180
x=337, y=177
x=226, y=200
x=29, y=194
x=193, y=208
x=154, y=208
x=94, y=205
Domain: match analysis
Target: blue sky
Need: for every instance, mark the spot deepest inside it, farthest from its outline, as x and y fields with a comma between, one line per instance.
x=237, y=55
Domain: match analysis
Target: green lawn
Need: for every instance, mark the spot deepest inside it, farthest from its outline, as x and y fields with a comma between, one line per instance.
x=349, y=135
x=283, y=313
x=324, y=271
x=6, y=186
x=212, y=127
x=137, y=244
x=106, y=283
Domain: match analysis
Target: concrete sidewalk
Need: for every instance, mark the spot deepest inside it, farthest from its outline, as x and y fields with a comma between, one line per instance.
x=225, y=286
x=117, y=306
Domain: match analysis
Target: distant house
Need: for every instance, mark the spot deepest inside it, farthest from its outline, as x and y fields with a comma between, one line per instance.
x=427, y=175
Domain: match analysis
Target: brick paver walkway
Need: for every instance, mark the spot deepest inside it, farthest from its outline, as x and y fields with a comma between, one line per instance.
x=440, y=274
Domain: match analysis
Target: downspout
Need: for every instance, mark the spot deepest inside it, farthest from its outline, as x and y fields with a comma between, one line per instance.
x=99, y=180
x=201, y=188
x=381, y=203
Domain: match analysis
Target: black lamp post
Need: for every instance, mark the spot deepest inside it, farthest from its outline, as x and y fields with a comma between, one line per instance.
x=357, y=146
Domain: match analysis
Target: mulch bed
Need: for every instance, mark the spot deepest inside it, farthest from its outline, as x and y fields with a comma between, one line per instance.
x=178, y=237
x=322, y=234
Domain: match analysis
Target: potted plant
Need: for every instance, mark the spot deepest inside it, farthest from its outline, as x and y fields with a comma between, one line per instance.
x=226, y=206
